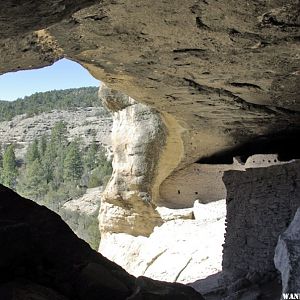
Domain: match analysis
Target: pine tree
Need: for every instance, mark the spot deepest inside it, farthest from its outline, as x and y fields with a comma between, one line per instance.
x=9, y=170
x=58, y=167
x=73, y=166
x=59, y=134
x=54, y=155
x=43, y=145
x=33, y=153
x=48, y=162
x=32, y=183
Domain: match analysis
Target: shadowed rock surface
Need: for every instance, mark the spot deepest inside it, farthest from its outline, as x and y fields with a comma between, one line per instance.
x=41, y=258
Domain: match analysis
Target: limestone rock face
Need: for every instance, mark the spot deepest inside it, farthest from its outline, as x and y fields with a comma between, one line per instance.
x=138, y=137
x=41, y=258
x=181, y=250
x=85, y=123
x=114, y=100
x=82, y=216
x=287, y=256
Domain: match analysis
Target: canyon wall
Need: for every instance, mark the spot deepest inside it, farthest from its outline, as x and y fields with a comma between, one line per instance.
x=88, y=124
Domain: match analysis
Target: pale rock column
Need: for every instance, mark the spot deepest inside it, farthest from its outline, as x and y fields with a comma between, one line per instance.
x=138, y=138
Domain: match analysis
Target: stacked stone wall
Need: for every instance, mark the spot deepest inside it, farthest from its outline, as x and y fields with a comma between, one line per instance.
x=261, y=203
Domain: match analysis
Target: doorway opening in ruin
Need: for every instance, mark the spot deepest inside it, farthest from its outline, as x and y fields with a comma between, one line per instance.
x=55, y=141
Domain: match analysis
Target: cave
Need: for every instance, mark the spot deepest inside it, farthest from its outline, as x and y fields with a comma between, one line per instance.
x=194, y=88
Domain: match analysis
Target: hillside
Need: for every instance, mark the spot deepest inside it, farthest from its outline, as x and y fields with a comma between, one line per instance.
x=52, y=150
x=26, y=119
x=38, y=103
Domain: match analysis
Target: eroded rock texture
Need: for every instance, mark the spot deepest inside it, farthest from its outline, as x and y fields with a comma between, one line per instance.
x=138, y=137
x=41, y=258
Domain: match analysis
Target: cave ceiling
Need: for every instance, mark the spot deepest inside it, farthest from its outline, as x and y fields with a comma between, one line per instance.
x=227, y=70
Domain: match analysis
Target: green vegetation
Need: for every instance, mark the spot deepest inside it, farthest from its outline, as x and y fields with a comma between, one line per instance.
x=9, y=172
x=37, y=103
x=55, y=169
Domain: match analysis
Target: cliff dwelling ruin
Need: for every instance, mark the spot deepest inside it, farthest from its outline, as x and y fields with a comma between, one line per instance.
x=205, y=102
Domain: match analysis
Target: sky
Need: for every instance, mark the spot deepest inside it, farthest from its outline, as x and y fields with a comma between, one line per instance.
x=63, y=74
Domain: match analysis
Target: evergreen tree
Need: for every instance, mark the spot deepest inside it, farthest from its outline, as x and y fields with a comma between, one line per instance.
x=58, y=167
x=32, y=183
x=45, y=102
x=32, y=153
x=53, y=169
x=54, y=155
x=73, y=166
x=48, y=162
x=9, y=169
x=59, y=134
x=43, y=145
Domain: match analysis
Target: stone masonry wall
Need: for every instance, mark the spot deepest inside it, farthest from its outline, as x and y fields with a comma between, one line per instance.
x=261, y=203
x=203, y=182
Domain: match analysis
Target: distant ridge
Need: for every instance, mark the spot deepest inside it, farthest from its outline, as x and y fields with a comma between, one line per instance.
x=38, y=103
